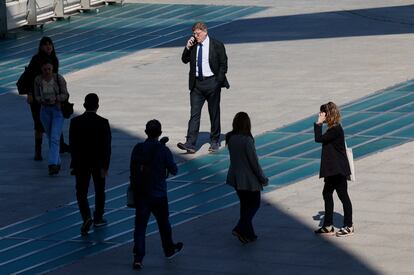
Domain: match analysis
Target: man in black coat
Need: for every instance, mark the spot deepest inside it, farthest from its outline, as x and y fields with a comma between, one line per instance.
x=90, y=143
x=208, y=68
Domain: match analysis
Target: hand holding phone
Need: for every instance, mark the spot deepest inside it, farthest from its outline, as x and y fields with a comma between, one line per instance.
x=191, y=42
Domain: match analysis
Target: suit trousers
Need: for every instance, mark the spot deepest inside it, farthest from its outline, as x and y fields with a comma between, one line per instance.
x=204, y=90
x=249, y=204
x=158, y=207
x=340, y=184
x=83, y=177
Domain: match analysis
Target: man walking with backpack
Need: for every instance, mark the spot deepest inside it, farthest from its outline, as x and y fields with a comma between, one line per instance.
x=151, y=161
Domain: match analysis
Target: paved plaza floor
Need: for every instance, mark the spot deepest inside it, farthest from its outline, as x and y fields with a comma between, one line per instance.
x=285, y=59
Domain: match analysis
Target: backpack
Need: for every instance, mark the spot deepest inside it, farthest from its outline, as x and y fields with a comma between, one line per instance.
x=145, y=165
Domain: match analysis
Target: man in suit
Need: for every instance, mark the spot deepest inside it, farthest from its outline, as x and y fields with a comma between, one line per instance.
x=90, y=143
x=208, y=68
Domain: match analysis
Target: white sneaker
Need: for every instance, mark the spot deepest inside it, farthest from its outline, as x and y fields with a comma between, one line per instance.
x=345, y=231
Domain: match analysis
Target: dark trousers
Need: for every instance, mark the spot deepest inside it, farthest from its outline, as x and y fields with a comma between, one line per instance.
x=209, y=90
x=249, y=204
x=340, y=184
x=159, y=208
x=35, y=109
x=83, y=177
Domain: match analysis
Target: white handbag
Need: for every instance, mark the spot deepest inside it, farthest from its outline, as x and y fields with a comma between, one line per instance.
x=350, y=156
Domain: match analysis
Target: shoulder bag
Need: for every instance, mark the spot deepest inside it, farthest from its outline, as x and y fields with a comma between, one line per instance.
x=66, y=106
x=350, y=157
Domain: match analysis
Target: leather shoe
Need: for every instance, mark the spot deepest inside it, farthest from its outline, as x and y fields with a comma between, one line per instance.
x=186, y=147
x=86, y=226
x=214, y=147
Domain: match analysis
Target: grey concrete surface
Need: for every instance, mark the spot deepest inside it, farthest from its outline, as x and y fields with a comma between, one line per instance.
x=283, y=63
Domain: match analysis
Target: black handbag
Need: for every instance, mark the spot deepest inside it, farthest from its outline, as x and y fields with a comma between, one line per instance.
x=23, y=82
x=130, y=197
x=66, y=106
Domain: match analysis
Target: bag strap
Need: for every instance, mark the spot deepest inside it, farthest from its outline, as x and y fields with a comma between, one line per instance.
x=58, y=83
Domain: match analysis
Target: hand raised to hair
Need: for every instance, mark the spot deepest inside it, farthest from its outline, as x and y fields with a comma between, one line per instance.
x=321, y=118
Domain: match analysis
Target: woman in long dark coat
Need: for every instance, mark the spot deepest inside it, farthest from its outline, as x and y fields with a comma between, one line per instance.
x=245, y=175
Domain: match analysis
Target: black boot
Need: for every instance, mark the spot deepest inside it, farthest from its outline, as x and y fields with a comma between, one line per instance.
x=38, y=149
x=53, y=169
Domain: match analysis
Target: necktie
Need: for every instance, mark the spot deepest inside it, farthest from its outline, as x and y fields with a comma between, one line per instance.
x=200, y=61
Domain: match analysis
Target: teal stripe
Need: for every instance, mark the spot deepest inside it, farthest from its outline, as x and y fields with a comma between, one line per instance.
x=376, y=146
x=406, y=133
x=384, y=130
x=372, y=122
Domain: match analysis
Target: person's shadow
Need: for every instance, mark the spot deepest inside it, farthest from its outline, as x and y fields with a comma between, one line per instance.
x=337, y=219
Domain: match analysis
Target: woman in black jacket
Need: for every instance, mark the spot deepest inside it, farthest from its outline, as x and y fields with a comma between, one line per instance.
x=45, y=52
x=245, y=175
x=334, y=169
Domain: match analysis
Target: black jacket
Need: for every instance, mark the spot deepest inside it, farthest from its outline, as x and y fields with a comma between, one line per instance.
x=333, y=160
x=90, y=141
x=217, y=59
x=159, y=160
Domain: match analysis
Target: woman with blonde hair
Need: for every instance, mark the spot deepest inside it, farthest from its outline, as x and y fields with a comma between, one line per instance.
x=334, y=169
x=245, y=175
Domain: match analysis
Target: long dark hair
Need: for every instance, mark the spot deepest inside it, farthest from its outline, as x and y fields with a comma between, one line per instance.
x=241, y=126
x=333, y=117
x=53, y=57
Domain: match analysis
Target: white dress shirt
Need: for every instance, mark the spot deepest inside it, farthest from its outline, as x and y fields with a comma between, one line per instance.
x=205, y=65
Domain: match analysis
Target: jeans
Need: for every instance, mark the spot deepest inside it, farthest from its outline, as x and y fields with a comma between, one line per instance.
x=52, y=121
x=158, y=207
x=204, y=90
x=83, y=177
x=340, y=184
x=249, y=204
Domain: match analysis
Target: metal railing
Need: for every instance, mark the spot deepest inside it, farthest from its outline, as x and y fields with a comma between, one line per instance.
x=36, y=12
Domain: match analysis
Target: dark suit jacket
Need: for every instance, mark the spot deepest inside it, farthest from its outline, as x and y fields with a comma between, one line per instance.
x=333, y=160
x=90, y=141
x=217, y=59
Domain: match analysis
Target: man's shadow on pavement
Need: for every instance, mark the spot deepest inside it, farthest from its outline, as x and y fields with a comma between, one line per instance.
x=337, y=219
